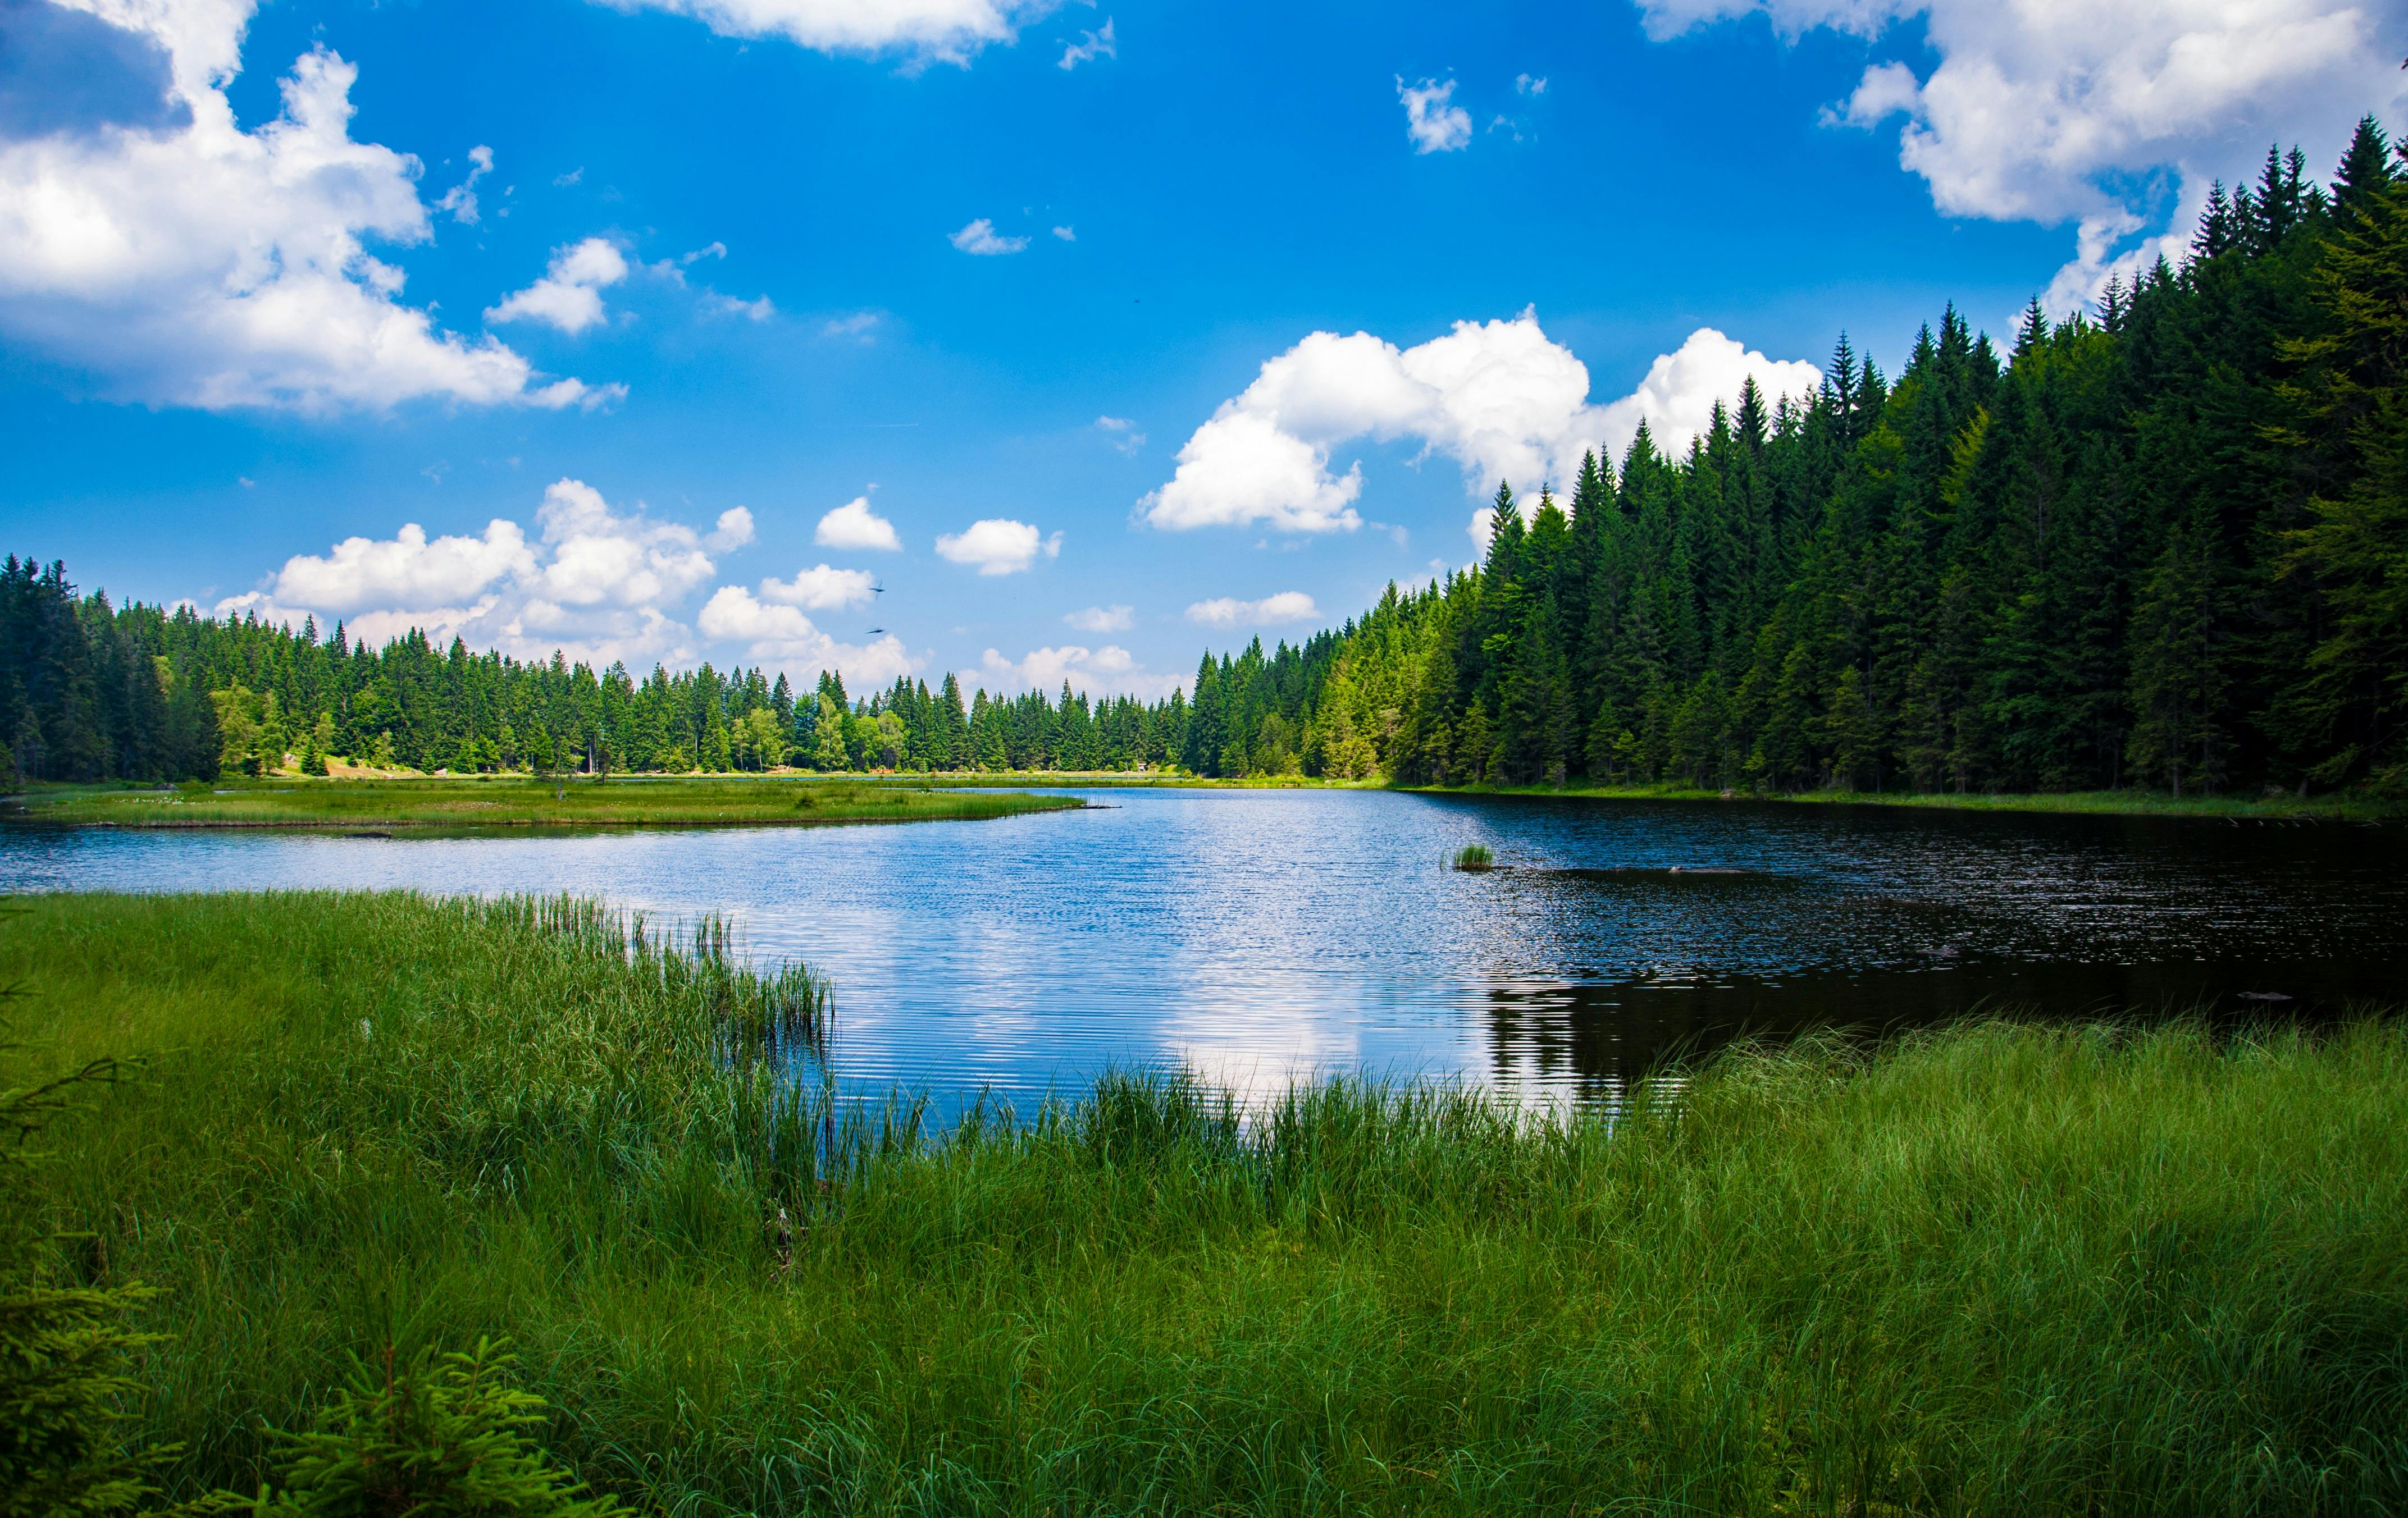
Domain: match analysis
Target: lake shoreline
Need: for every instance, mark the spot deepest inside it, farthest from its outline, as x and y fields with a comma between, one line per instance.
x=2091, y=1261
x=44, y=803
x=2328, y=808
x=511, y=804
x=2074, y=802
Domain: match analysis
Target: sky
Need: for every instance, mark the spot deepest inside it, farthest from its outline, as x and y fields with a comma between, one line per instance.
x=1035, y=342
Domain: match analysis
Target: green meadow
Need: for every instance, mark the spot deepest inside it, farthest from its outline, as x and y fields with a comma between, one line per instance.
x=2007, y=1268
x=510, y=801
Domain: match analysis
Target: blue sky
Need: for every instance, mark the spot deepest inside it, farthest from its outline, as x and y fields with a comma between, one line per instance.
x=737, y=264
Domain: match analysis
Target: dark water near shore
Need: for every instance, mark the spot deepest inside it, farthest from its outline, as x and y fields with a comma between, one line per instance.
x=1259, y=936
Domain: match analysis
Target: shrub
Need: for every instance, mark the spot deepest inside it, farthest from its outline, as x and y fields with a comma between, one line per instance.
x=435, y=1437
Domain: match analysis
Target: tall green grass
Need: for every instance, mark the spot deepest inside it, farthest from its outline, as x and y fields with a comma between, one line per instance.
x=2004, y=1269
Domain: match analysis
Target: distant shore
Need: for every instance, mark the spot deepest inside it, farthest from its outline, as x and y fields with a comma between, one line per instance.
x=2324, y=809
x=2286, y=807
x=515, y=801
x=783, y=797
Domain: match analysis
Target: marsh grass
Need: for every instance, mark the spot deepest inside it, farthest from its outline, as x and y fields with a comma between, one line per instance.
x=2004, y=1269
x=510, y=802
x=1474, y=856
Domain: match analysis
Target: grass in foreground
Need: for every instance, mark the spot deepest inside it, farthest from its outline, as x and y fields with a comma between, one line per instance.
x=2003, y=1271
x=518, y=802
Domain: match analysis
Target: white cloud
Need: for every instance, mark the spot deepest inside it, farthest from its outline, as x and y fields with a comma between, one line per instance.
x=783, y=636
x=599, y=559
x=406, y=572
x=594, y=583
x=460, y=199
x=979, y=238
x=855, y=525
x=998, y=546
x=1482, y=528
x=938, y=30
x=1110, y=670
x=569, y=295
x=822, y=588
x=860, y=326
x=1270, y=611
x=1498, y=397
x=2059, y=111
x=1433, y=125
x=1103, y=619
x=1091, y=46
x=757, y=310
x=1067, y=234
x=1529, y=85
x=734, y=530
x=1677, y=397
x=1123, y=433
x=563, y=181
x=200, y=264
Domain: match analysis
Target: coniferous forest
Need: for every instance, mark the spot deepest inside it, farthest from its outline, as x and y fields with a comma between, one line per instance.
x=2164, y=548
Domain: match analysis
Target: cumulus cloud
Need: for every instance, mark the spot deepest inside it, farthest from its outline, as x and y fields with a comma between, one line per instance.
x=406, y=572
x=2061, y=110
x=187, y=261
x=569, y=295
x=979, y=240
x=781, y=635
x=1110, y=670
x=1676, y=398
x=734, y=529
x=1498, y=397
x=860, y=326
x=822, y=588
x=928, y=31
x=1090, y=47
x=1432, y=124
x=998, y=546
x=1103, y=619
x=855, y=525
x=599, y=559
x=599, y=583
x=1067, y=234
x=1270, y=611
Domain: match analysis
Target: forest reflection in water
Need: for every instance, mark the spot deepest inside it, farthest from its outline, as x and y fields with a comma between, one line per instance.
x=1262, y=937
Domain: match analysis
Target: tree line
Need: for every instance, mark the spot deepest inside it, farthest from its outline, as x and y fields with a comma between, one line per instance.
x=89, y=691
x=2165, y=546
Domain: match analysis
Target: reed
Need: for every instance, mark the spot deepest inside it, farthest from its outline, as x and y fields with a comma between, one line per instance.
x=2007, y=1268
x=1474, y=856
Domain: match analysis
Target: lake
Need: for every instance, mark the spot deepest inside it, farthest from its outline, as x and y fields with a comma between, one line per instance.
x=1261, y=935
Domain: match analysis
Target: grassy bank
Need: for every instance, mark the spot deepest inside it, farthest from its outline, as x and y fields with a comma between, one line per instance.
x=2005, y=1271
x=516, y=802
x=2346, y=808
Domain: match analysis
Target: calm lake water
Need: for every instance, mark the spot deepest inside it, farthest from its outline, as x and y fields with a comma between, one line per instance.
x=1259, y=936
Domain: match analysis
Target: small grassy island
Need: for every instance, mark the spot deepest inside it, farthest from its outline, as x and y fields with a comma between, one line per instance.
x=2003, y=1269
x=513, y=802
